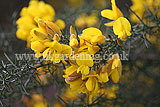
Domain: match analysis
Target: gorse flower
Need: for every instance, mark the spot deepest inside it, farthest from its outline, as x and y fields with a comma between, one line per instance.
x=122, y=28
x=89, y=38
x=45, y=41
x=80, y=63
x=93, y=36
x=121, y=25
x=84, y=61
x=26, y=22
x=113, y=14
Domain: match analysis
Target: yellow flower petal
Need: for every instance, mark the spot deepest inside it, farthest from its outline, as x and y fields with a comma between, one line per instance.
x=45, y=53
x=108, y=14
x=116, y=10
x=71, y=70
x=115, y=76
x=90, y=84
x=60, y=23
x=109, y=24
x=104, y=77
x=56, y=46
x=122, y=27
x=84, y=70
x=84, y=59
x=67, y=50
x=37, y=46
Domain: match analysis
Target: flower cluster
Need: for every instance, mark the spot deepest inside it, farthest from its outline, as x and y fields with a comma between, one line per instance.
x=45, y=41
x=26, y=22
x=80, y=71
x=81, y=75
x=82, y=78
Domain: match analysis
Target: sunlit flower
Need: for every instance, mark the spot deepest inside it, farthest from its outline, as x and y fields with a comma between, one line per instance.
x=121, y=25
x=92, y=82
x=89, y=38
x=122, y=28
x=81, y=63
x=26, y=22
x=88, y=85
x=76, y=83
x=113, y=14
x=84, y=61
x=45, y=41
x=93, y=36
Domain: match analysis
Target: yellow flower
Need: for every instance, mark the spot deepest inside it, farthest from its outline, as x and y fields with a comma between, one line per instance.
x=88, y=40
x=113, y=14
x=81, y=63
x=78, y=71
x=93, y=36
x=122, y=28
x=89, y=84
x=76, y=83
x=121, y=25
x=92, y=82
x=84, y=61
x=26, y=22
x=114, y=68
x=87, y=47
x=92, y=85
x=60, y=23
x=73, y=40
x=45, y=41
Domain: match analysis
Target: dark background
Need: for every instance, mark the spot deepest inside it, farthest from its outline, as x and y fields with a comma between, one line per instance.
x=8, y=7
